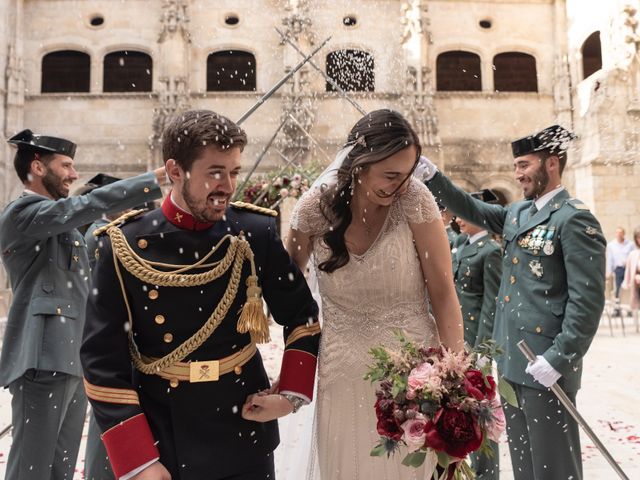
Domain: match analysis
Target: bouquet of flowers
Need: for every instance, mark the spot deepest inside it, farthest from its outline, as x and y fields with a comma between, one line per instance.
x=440, y=404
x=269, y=189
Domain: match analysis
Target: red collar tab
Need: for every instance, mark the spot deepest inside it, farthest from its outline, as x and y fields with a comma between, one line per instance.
x=180, y=218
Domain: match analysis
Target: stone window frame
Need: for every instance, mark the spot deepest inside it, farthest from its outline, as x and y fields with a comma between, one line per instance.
x=137, y=49
x=208, y=51
x=61, y=47
x=360, y=48
x=467, y=48
x=519, y=51
x=588, y=37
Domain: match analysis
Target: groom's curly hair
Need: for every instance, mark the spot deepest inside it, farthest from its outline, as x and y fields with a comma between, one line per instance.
x=376, y=136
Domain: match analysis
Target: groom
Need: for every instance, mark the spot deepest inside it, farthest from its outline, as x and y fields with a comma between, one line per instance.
x=177, y=293
x=551, y=295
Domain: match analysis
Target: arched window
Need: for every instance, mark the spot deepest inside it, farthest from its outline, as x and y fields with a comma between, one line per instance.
x=352, y=70
x=514, y=72
x=231, y=70
x=65, y=71
x=591, y=55
x=458, y=70
x=127, y=71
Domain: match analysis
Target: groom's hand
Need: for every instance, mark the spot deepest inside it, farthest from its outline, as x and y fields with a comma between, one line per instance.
x=264, y=408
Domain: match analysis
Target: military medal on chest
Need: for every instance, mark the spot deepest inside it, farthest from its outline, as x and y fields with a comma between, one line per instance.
x=548, y=248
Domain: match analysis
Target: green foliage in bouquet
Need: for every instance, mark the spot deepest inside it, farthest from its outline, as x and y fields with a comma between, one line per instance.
x=441, y=405
x=268, y=189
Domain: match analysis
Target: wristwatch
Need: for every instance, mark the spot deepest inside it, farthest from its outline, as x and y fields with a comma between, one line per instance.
x=296, y=401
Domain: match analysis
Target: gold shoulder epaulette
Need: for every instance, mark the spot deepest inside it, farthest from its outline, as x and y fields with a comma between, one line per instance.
x=121, y=220
x=577, y=204
x=254, y=208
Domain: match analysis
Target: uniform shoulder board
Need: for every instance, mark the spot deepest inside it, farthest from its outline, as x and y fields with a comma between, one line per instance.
x=577, y=204
x=121, y=220
x=254, y=208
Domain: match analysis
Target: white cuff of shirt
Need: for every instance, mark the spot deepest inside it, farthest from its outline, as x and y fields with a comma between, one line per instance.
x=136, y=471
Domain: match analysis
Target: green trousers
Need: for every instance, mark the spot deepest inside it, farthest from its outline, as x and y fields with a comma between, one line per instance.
x=544, y=439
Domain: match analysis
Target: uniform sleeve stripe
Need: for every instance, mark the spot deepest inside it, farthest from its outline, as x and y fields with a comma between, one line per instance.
x=303, y=331
x=111, y=395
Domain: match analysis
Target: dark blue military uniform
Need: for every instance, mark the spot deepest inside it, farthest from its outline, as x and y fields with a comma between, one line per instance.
x=197, y=424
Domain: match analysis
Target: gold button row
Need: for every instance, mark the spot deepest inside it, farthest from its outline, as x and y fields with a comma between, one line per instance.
x=153, y=294
x=142, y=243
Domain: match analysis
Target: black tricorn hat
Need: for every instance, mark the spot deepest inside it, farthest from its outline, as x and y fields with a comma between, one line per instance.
x=486, y=195
x=100, y=180
x=554, y=138
x=28, y=139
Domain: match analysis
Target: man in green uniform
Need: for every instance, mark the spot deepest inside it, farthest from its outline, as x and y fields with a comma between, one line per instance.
x=46, y=259
x=477, y=267
x=551, y=295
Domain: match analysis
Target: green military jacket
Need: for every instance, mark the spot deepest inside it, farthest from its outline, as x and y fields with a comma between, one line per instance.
x=47, y=263
x=553, y=276
x=477, y=269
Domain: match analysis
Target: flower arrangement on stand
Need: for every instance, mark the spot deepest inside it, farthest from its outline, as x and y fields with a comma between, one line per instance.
x=269, y=189
x=439, y=404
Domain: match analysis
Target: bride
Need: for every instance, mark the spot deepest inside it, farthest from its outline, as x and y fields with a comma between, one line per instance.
x=380, y=252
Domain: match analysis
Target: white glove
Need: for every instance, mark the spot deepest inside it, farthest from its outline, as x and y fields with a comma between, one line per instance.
x=425, y=170
x=543, y=372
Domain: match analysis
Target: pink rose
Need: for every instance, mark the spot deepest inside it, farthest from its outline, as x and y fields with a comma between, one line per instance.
x=497, y=426
x=419, y=377
x=284, y=193
x=414, y=434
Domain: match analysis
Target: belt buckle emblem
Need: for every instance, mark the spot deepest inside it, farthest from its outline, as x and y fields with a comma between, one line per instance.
x=204, y=371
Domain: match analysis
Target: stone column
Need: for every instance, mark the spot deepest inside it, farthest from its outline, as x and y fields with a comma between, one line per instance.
x=173, y=64
x=12, y=87
x=417, y=95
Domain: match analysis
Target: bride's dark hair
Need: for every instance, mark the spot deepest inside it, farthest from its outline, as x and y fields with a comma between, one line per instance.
x=376, y=136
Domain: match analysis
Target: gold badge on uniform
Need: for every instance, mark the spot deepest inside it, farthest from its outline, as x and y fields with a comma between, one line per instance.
x=536, y=268
x=204, y=371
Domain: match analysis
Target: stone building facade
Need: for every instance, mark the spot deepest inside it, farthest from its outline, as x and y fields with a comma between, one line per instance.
x=470, y=75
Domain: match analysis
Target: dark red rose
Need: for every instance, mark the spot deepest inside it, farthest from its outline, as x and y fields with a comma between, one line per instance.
x=453, y=431
x=388, y=425
x=475, y=386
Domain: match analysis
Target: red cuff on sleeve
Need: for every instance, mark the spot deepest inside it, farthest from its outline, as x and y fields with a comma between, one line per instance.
x=130, y=444
x=298, y=372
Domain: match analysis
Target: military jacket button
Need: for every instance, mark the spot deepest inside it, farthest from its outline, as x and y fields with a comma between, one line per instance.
x=238, y=369
x=58, y=311
x=153, y=294
x=76, y=243
x=507, y=298
x=512, y=279
x=142, y=243
x=538, y=329
x=173, y=382
x=168, y=338
x=159, y=319
x=145, y=189
x=515, y=260
x=472, y=318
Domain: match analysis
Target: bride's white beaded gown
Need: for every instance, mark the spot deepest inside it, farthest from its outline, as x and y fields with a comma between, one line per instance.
x=362, y=303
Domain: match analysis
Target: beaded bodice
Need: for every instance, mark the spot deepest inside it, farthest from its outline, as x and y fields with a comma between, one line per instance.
x=376, y=292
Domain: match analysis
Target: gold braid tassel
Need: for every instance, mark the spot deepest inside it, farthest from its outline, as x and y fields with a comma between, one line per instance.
x=252, y=318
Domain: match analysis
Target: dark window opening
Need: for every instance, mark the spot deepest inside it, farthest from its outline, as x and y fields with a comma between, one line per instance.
x=352, y=70
x=591, y=55
x=458, y=70
x=66, y=71
x=515, y=72
x=485, y=24
x=231, y=70
x=97, y=20
x=349, y=21
x=231, y=19
x=127, y=71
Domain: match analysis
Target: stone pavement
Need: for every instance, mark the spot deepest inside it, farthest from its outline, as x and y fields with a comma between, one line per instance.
x=608, y=400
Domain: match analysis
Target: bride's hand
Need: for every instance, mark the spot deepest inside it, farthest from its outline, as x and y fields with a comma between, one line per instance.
x=266, y=407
